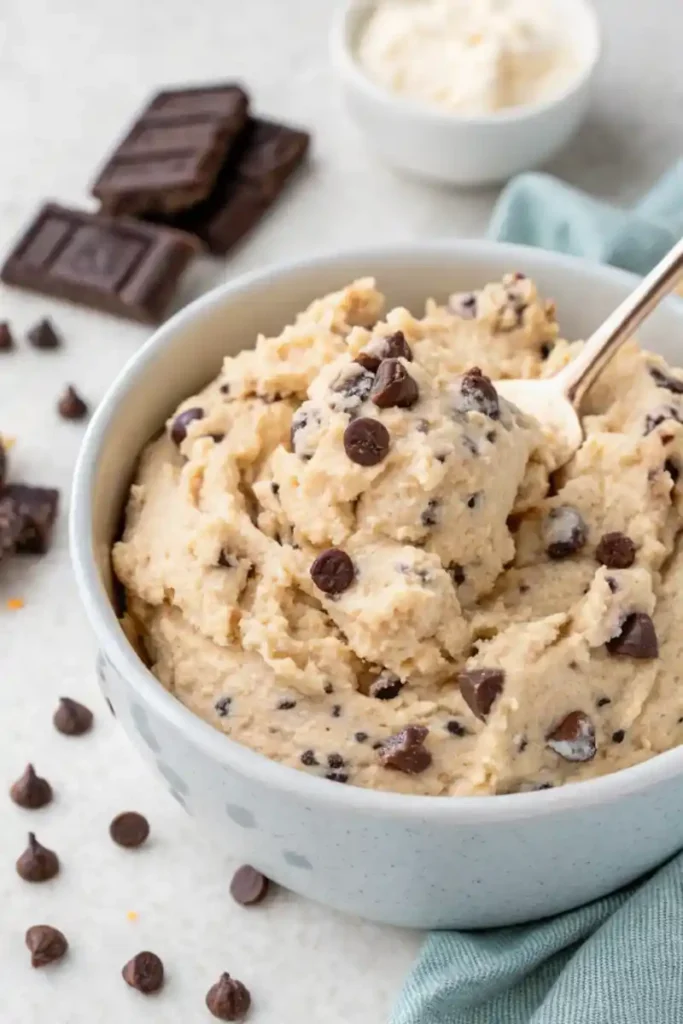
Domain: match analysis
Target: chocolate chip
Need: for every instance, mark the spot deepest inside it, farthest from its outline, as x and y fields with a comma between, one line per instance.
x=602, y=702
x=456, y=572
x=463, y=305
x=666, y=380
x=46, y=944
x=336, y=710
x=396, y=347
x=129, y=829
x=72, y=718
x=386, y=686
x=333, y=571
x=33, y=511
x=356, y=386
x=616, y=551
x=429, y=515
x=37, y=863
x=473, y=500
x=574, y=738
x=286, y=705
x=43, y=335
x=637, y=638
x=491, y=436
x=618, y=736
x=248, y=886
x=480, y=687
x=672, y=469
x=406, y=752
x=360, y=737
x=394, y=386
x=337, y=776
x=182, y=422
x=275, y=488
x=455, y=728
x=31, y=791
x=366, y=441
x=216, y=438
x=228, y=999
x=224, y=389
x=309, y=759
x=546, y=349
x=222, y=706
x=6, y=338
x=71, y=406
x=564, y=532
x=145, y=972
x=328, y=688
x=477, y=394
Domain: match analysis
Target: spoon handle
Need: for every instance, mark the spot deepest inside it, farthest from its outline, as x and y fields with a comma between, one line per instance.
x=580, y=374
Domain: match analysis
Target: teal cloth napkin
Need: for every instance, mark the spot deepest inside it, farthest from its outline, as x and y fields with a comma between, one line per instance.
x=618, y=960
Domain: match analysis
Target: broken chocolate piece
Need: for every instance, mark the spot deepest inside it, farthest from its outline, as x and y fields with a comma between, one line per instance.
x=145, y=972
x=616, y=551
x=406, y=752
x=480, y=687
x=477, y=394
x=34, y=509
x=574, y=738
x=37, y=863
x=394, y=386
x=46, y=944
x=564, y=532
x=333, y=572
x=366, y=441
x=228, y=999
x=71, y=406
x=30, y=790
x=637, y=639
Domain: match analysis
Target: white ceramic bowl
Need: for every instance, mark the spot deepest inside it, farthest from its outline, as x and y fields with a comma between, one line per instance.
x=417, y=861
x=451, y=148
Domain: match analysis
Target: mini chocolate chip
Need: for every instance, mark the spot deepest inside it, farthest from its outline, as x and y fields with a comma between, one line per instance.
x=360, y=737
x=336, y=710
x=335, y=760
x=216, y=438
x=546, y=349
x=129, y=829
x=328, y=688
x=618, y=736
x=616, y=551
x=574, y=738
x=145, y=972
x=366, y=441
x=333, y=572
x=72, y=718
x=477, y=394
x=602, y=702
x=31, y=791
x=406, y=752
x=386, y=686
x=480, y=687
x=455, y=728
x=275, y=488
x=228, y=999
x=6, y=337
x=37, y=863
x=564, y=532
x=665, y=380
x=394, y=386
x=309, y=759
x=429, y=515
x=337, y=776
x=378, y=744
x=248, y=886
x=473, y=500
x=463, y=305
x=43, y=335
x=672, y=469
x=46, y=944
x=182, y=422
x=71, y=406
x=224, y=389
x=491, y=436
x=637, y=638
x=522, y=744
x=612, y=584
x=524, y=588
x=456, y=572
x=286, y=705
x=222, y=706
x=422, y=427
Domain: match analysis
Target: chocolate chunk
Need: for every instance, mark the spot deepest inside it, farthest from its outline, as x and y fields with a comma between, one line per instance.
x=394, y=386
x=618, y=736
x=406, y=752
x=182, y=422
x=248, y=886
x=228, y=999
x=477, y=394
x=333, y=572
x=114, y=265
x=480, y=687
x=616, y=551
x=464, y=305
x=170, y=158
x=574, y=738
x=37, y=863
x=366, y=441
x=386, y=686
x=252, y=177
x=145, y=972
x=666, y=380
x=309, y=759
x=456, y=728
x=41, y=335
x=637, y=638
x=456, y=572
x=564, y=532
x=46, y=944
x=30, y=790
x=129, y=829
x=72, y=718
x=71, y=406
x=35, y=511
x=6, y=337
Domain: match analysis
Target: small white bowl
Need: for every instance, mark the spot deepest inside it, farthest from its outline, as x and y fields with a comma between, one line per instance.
x=451, y=148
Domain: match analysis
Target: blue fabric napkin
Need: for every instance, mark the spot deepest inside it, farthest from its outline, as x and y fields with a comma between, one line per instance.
x=618, y=960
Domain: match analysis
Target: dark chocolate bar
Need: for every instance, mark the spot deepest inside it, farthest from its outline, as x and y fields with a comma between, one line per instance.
x=116, y=265
x=171, y=157
x=249, y=182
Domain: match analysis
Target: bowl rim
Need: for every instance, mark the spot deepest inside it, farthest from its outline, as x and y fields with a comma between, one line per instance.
x=218, y=746
x=345, y=23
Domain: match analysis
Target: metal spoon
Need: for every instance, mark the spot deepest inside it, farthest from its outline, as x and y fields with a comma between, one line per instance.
x=555, y=402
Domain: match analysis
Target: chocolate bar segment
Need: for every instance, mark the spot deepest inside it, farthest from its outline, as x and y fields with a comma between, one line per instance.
x=171, y=157
x=116, y=265
x=250, y=181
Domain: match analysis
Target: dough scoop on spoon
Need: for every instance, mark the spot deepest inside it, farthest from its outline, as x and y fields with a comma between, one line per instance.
x=555, y=401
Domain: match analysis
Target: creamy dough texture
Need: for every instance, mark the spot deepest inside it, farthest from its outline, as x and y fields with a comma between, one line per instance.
x=347, y=552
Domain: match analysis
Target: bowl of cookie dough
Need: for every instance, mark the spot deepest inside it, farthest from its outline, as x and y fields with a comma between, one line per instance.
x=349, y=616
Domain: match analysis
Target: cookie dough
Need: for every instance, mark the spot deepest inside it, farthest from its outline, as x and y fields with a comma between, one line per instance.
x=349, y=553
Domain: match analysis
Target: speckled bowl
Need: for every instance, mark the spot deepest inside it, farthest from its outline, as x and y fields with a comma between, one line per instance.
x=415, y=861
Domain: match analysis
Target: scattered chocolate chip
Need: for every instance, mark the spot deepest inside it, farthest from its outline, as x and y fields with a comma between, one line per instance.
x=6, y=337
x=336, y=710
x=637, y=638
x=574, y=738
x=31, y=791
x=33, y=511
x=564, y=532
x=72, y=718
x=455, y=728
x=222, y=706
x=248, y=886
x=360, y=737
x=46, y=944
x=337, y=776
x=286, y=705
x=228, y=999
x=129, y=829
x=618, y=736
x=394, y=386
x=182, y=422
x=477, y=394
x=456, y=572
x=309, y=759
x=71, y=406
x=602, y=702
x=43, y=335
x=480, y=687
x=616, y=551
x=406, y=752
x=145, y=972
x=666, y=380
x=386, y=686
x=333, y=571
x=672, y=469
x=429, y=515
x=37, y=863
x=366, y=441
x=463, y=305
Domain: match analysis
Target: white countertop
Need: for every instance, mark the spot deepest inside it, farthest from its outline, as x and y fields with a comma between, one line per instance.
x=71, y=75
